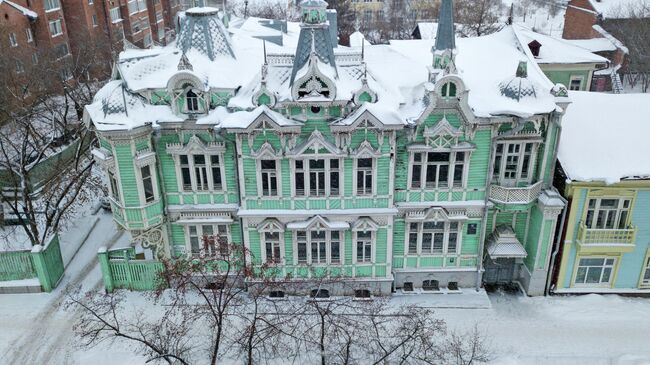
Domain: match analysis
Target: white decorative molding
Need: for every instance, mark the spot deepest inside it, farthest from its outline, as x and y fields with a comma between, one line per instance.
x=266, y=152
x=196, y=147
x=365, y=224
x=366, y=150
x=144, y=158
x=270, y=225
x=104, y=158
x=316, y=141
x=317, y=223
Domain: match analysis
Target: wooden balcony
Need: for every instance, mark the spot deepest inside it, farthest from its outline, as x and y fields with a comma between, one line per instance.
x=515, y=195
x=596, y=240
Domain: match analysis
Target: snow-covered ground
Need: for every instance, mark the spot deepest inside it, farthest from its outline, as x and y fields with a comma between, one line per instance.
x=590, y=329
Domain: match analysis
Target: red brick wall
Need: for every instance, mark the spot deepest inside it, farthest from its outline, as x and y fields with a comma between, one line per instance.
x=578, y=23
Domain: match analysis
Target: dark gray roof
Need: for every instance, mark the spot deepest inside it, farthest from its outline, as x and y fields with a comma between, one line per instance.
x=445, y=36
x=317, y=39
x=202, y=30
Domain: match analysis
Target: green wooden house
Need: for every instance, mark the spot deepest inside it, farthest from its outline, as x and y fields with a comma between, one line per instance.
x=351, y=163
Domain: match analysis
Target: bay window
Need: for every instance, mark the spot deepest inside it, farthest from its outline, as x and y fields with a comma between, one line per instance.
x=433, y=238
x=513, y=162
x=433, y=170
x=607, y=213
x=319, y=247
x=200, y=172
x=317, y=177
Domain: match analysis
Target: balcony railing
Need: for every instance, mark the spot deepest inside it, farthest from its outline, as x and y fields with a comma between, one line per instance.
x=515, y=195
x=601, y=237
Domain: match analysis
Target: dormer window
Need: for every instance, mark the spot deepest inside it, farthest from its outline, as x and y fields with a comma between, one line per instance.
x=534, y=47
x=191, y=101
x=448, y=90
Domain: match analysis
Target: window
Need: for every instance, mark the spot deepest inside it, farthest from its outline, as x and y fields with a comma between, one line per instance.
x=94, y=18
x=362, y=293
x=56, y=28
x=276, y=294
x=147, y=41
x=147, y=184
x=159, y=17
x=133, y=6
x=319, y=293
x=115, y=190
x=34, y=58
x=434, y=238
x=430, y=285
x=364, y=246
x=161, y=33
x=29, y=35
x=645, y=281
x=364, y=176
x=62, y=50
x=52, y=5
x=407, y=286
x=115, y=14
x=319, y=247
x=208, y=239
x=272, y=244
x=595, y=271
x=367, y=16
x=269, y=176
x=380, y=15
x=448, y=89
x=20, y=68
x=191, y=101
x=575, y=83
x=200, y=172
x=513, y=163
x=12, y=40
x=434, y=170
x=605, y=213
x=321, y=175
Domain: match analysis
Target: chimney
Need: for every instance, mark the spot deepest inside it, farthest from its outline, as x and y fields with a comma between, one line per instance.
x=334, y=27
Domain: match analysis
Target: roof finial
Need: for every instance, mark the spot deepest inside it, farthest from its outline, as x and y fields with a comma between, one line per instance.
x=184, y=63
x=522, y=69
x=264, y=44
x=445, y=36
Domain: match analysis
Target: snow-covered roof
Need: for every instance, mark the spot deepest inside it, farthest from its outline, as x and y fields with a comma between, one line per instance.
x=593, y=44
x=557, y=50
x=484, y=63
x=621, y=8
x=243, y=119
x=26, y=12
x=428, y=30
x=604, y=137
x=503, y=243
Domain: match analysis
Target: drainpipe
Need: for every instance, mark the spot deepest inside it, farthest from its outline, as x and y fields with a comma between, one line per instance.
x=558, y=242
x=488, y=182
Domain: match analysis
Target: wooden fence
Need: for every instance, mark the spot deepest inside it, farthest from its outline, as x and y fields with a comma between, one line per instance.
x=42, y=262
x=128, y=273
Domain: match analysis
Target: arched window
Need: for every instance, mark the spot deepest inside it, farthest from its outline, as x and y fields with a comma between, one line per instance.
x=192, y=101
x=449, y=89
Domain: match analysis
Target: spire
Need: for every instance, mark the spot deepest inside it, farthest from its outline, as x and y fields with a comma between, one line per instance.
x=445, y=36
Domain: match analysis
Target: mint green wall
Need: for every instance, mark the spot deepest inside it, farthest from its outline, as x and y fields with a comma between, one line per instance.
x=564, y=77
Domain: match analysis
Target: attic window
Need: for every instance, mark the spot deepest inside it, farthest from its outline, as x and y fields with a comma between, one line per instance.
x=448, y=90
x=315, y=109
x=534, y=47
x=192, y=101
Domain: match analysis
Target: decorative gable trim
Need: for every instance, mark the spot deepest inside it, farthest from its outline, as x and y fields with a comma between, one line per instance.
x=195, y=147
x=271, y=225
x=366, y=150
x=436, y=214
x=266, y=152
x=318, y=223
x=365, y=224
x=443, y=127
x=316, y=141
x=145, y=158
x=104, y=158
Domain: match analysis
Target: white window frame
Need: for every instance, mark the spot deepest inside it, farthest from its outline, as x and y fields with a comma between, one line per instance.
x=13, y=41
x=605, y=265
x=115, y=14
x=58, y=27
x=591, y=222
x=194, y=179
x=200, y=234
x=51, y=5
x=114, y=186
x=420, y=231
x=424, y=164
x=265, y=242
x=29, y=35
x=306, y=171
x=373, y=175
x=500, y=167
x=309, y=240
x=154, y=183
x=576, y=78
x=278, y=180
x=95, y=21
x=371, y=241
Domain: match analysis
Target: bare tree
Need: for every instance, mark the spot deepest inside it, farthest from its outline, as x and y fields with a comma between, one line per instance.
x=478, y=17
x=631, y=26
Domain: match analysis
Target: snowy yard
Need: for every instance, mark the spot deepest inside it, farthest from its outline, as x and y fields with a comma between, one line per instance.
x=589, y=329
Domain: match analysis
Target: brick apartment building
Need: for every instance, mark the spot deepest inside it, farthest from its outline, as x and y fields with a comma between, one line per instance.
x=69, y=27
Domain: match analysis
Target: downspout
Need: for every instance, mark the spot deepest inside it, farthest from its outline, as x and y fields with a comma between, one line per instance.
x=558, y=242
x=488, y=182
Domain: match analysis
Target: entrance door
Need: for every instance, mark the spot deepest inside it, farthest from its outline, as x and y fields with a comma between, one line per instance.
x=499, y=271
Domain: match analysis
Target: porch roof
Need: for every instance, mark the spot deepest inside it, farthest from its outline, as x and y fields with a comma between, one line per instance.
x=504, y=244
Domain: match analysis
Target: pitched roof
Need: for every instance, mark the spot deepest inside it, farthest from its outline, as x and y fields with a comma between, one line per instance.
x=556, y=50
x=26, y=12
